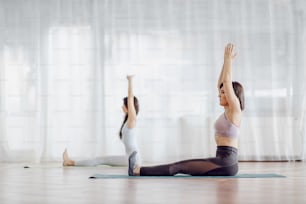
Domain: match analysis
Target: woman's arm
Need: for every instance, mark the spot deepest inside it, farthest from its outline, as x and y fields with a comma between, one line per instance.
x=220, y=80
x=232, y=99
x=131, y=121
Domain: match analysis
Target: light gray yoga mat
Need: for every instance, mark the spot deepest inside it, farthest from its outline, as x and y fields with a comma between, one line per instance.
x=120, y=176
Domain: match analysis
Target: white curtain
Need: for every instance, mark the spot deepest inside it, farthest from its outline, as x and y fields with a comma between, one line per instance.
x=63, y=67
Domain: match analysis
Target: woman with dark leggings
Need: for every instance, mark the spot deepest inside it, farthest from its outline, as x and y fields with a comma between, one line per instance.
x=231, y=97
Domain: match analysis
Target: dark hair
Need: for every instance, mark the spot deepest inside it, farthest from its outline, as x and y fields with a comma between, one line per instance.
x=125, y=102
x=239, y=92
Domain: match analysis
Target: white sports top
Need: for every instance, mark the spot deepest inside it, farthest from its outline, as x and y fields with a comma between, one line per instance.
x=129, y=139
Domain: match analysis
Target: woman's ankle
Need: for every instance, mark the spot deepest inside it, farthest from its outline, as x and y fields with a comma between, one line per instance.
x=136, y=171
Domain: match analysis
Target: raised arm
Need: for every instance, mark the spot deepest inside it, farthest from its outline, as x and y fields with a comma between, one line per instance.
x=131, y=121
x=226, y=78
x=220, y=80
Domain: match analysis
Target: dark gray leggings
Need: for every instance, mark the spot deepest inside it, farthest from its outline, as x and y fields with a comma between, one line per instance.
x=224, y=164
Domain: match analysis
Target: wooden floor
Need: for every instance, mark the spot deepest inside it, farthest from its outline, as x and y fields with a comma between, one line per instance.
x=52, y=183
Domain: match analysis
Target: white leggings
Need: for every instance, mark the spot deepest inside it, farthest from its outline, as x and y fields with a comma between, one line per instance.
x=119, y=160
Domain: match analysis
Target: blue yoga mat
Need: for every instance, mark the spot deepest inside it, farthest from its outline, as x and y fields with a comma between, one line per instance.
x=120, y=176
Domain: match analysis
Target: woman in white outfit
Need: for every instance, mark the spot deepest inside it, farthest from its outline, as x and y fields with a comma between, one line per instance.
x=127, y=135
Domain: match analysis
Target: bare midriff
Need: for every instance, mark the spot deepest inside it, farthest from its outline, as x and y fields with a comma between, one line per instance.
x=226, y=141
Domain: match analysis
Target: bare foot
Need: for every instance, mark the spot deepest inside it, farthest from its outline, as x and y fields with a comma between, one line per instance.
x=67, y=161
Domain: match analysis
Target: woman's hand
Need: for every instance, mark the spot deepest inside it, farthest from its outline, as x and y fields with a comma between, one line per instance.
x=229, y=52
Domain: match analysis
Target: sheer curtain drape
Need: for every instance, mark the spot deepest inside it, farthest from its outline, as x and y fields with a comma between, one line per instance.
x=63, y=65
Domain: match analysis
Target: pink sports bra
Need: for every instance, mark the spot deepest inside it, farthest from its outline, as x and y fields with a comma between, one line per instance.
x=224, y=127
